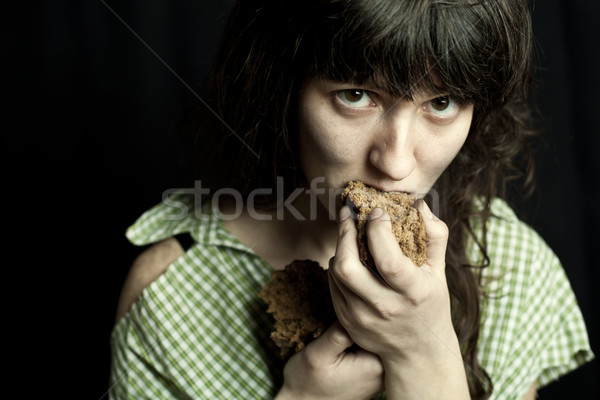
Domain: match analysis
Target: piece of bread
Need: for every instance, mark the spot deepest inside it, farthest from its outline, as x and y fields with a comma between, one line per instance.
x=298, y=296
x=407, y=222
x=299, y=300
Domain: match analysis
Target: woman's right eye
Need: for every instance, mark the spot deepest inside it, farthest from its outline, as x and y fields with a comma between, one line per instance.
x=355, y=98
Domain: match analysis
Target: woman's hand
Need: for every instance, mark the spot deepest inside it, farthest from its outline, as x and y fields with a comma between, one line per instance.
x=325, y=370
x=405, y=319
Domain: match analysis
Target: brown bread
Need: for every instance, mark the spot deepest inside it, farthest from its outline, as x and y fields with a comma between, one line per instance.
x=298, y=298
x=407, y=222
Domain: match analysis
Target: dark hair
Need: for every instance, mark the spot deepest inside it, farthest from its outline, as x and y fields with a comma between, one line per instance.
x=479, y=50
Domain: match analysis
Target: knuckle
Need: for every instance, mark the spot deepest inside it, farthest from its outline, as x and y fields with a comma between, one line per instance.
x=341, y=268
x=390, y=270
x=344, y=319
x=412, y=301
x=339, y=338
x=439, y=230
x=444, y=231
x=311, y=358
x=363, y=319
x=415, y=298
x=384, y=310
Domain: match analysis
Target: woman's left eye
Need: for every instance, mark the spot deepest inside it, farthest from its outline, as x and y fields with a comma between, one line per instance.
x=443, y=107
x=355, y=98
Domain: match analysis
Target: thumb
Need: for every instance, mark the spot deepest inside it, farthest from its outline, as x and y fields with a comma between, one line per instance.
x=330, y=345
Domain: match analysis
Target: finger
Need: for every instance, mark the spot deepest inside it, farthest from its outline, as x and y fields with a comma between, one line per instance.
x=371, y=367
x=347, y=247
x=352, y=284
x=347, y=302
x=395, y=268
x=346, y=266
x=437, y=236
x=330, y=345
x=337, y=296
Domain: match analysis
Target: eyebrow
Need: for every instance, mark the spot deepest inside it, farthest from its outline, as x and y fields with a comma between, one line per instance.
x=414, y=89
x=381, y=85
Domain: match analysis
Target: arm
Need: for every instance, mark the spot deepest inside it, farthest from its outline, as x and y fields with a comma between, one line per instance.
x=148, y=266
x=406, y=319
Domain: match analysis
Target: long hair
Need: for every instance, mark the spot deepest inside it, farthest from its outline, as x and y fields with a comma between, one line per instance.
x=478, y=51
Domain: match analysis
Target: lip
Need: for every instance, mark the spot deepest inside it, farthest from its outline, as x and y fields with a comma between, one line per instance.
x=387, y=189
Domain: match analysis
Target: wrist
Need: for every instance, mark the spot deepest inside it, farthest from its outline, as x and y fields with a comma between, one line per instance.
x=438, y=372
x=431, y=346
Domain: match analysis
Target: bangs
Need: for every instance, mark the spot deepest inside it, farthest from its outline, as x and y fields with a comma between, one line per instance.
x=462, y=48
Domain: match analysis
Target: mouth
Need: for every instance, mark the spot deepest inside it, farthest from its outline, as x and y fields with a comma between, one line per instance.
x=382, y=187
x=415, y=193
x=358, y=195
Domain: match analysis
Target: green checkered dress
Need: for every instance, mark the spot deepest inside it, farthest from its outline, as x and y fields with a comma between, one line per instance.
x=199, y=331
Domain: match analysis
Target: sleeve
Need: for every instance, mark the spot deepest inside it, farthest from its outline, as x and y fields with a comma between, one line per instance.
x=533, y=329
x=565, y=344
x=136, y=371
x=550, y=336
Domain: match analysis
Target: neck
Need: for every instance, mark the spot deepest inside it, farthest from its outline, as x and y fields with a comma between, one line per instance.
x=297, y=230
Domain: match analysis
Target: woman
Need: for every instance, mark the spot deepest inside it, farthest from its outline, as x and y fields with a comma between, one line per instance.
x=425, y=97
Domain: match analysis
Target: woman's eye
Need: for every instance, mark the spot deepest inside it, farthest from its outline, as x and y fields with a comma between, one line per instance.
x=441, y=103
x=355, y=98
x=442, y=107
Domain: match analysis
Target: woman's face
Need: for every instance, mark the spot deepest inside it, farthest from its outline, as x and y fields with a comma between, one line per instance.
x=360, y=133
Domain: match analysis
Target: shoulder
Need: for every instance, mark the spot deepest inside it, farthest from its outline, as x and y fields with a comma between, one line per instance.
x=510, y=242
x=146, y=268
x=519, y=261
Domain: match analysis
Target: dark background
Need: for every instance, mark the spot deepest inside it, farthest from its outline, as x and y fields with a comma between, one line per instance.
x=89, y=142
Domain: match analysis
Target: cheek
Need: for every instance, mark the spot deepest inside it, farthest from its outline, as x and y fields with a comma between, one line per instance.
x=323, y=142
x=436, y=160
x=437, y=154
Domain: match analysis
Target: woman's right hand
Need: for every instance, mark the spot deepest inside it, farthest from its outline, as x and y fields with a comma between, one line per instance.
x=325, y=370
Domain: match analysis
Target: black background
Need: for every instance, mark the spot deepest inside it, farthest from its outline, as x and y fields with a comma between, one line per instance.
x=89, y=143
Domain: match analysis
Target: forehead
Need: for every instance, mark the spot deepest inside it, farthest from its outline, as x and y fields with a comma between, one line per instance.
x=410, y=47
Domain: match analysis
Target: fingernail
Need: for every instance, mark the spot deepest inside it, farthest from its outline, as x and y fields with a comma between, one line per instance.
x=376, y=213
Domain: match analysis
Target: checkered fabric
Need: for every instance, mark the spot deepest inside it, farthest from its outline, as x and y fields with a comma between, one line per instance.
x=200, y=331
x=532, y=328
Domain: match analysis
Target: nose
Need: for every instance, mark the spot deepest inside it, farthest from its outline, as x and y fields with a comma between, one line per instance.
x=392, y=150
